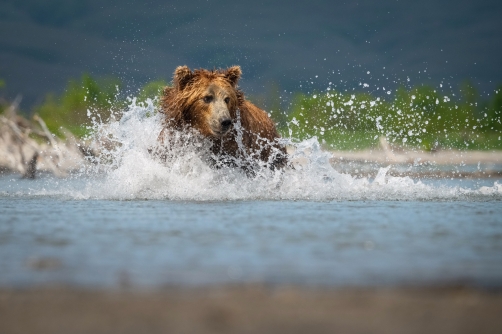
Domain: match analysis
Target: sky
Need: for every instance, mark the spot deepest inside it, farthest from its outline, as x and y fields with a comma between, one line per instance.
x=287, y=45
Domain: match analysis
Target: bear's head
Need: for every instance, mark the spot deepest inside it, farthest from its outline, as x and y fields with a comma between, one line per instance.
x=204, y=100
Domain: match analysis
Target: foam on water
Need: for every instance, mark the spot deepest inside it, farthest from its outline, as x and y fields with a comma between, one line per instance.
x=127, y=170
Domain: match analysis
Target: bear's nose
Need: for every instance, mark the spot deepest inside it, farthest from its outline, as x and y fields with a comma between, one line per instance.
x=225, y=124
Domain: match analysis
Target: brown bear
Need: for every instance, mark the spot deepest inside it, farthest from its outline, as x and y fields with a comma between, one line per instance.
x=210, y=102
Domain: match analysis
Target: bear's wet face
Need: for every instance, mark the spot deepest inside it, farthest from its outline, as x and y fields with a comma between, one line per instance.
x=210, y=102
x=215, y=104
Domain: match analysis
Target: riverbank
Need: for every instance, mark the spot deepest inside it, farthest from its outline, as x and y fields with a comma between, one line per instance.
x=411, y=162
x=27, y=147
x=413, y=157
x=420, y=164
x=251, y=309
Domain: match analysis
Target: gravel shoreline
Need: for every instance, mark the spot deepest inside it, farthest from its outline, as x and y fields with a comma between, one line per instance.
x=442, y=157
x=251, y=309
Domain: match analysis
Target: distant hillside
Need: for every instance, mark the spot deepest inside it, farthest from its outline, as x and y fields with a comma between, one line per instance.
x=298, y=45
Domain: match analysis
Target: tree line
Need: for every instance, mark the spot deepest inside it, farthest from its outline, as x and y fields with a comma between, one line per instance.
x=421, y=117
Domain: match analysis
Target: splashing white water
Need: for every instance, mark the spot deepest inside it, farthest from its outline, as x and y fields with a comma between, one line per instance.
x=126, y=169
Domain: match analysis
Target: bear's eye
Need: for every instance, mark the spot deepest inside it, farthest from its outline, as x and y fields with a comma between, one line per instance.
x=227, y=100
x=208, y=98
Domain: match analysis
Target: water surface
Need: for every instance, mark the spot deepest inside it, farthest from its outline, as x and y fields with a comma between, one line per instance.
x=47, y=239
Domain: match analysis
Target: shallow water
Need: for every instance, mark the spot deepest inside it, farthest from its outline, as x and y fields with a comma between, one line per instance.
x=130, y=219
x=109, y=243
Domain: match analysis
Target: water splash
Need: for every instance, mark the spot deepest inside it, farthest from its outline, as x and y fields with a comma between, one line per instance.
x=126, y=169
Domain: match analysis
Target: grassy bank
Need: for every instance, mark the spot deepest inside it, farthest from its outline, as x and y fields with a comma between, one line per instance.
x=421, y=118
x=88, y=98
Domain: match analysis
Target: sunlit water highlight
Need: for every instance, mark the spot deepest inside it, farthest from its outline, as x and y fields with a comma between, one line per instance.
x=130, y=218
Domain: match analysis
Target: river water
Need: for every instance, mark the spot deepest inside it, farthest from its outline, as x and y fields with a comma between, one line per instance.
x=128, y=219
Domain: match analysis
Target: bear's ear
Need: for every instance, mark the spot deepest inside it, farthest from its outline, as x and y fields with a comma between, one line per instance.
x=233, y=74
x=182, y=76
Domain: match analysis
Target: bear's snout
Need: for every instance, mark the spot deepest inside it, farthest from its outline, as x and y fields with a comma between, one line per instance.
x=225, y=124
x=221, y=126
x=220, y=120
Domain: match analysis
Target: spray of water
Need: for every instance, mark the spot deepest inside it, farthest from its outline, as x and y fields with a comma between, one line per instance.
x=128, y=166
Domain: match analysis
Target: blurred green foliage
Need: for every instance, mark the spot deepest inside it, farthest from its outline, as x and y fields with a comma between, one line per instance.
x=151, y=90
x=81, y=98
x=421, y=117
x=86, y=99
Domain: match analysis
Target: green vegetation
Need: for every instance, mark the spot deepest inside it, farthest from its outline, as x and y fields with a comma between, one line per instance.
x=71, y=110
x=151, y=90
x=85, y=99
x=421, y=117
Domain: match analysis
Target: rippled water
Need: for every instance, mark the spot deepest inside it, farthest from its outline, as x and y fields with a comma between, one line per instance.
x=53, y=239
x=131, y=219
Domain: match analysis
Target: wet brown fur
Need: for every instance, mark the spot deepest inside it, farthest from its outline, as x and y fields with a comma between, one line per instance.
x=184, y=108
